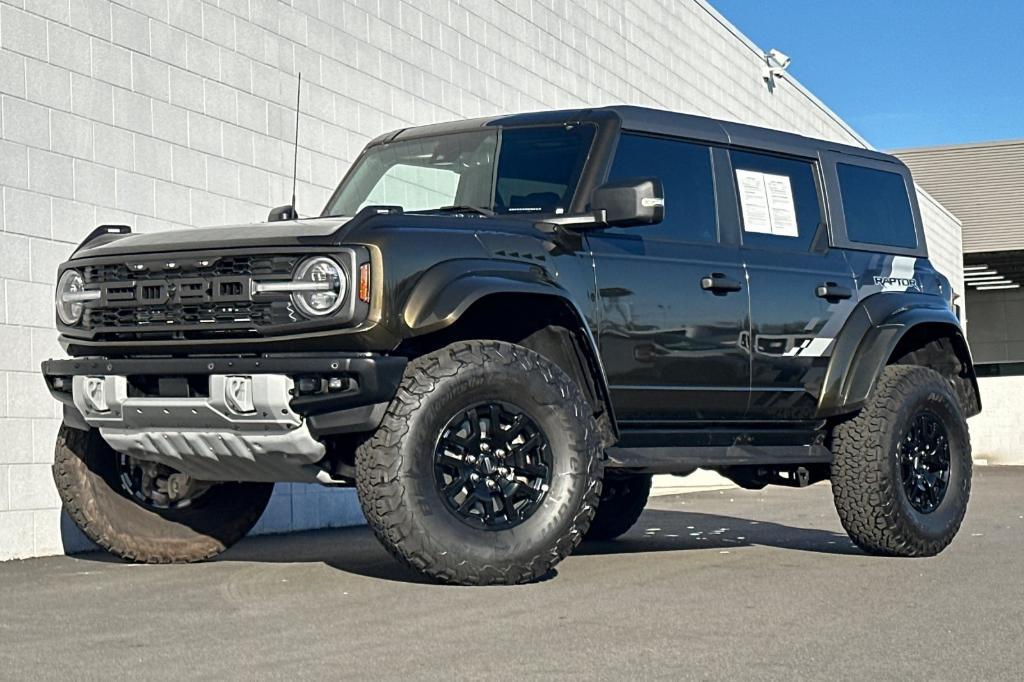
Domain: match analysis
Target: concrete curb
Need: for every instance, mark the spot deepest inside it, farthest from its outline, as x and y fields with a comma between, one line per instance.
x=701, y=480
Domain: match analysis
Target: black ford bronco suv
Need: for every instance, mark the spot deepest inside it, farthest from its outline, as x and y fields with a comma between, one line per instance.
x=499, y=329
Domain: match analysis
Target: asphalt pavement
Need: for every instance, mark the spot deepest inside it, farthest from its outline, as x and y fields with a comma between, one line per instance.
x=712, y=585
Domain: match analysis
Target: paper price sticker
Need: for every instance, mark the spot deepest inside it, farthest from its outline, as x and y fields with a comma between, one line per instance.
x=767, y=203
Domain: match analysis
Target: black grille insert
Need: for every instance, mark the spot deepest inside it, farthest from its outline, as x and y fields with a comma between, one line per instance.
x=185, y=298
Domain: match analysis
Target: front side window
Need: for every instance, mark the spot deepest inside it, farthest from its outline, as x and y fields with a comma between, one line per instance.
x=514, y=170
x=685, y=172
x=876, y=206
x=778, y=199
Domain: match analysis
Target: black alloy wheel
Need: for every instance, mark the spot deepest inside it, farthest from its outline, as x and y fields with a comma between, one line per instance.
x=492, y=465
x=924, y=460
x=901, y=475
x=487, y=467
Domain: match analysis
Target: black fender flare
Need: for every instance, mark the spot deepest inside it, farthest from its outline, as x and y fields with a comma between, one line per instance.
x=447, y=290
x=867, y=341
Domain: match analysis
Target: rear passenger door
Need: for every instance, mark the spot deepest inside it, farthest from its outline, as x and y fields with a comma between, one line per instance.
x=801, y=290
x=673, y=350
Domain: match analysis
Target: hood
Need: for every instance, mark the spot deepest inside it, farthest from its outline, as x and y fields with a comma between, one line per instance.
x=308, y=232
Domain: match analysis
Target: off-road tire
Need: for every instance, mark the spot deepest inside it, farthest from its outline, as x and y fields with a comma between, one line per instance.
x=866, y=483
x=395, y=470
x=623, y=498
x=84, y=470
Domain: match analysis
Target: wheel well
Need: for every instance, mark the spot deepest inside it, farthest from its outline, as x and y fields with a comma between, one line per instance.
x=941, y=347
x=543, y=323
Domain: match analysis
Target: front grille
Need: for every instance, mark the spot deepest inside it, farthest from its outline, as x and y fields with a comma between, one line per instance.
x=185, y=298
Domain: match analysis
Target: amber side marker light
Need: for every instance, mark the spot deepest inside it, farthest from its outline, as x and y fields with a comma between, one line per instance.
x=364, y=282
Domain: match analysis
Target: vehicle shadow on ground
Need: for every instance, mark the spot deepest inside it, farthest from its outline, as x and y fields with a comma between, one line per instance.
x=356, y=550
x=660, y=530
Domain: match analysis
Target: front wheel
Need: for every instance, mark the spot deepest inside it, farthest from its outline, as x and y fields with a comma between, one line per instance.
x=486, y=468
x=901, y=476
x=145, y=512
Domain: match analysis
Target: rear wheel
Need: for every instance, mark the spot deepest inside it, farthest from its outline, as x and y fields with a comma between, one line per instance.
x=486, y=468
x=148, y=513
x=902, y=471
x=623, y=498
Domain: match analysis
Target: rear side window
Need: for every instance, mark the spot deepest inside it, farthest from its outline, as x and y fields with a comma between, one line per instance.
x=685, y=171
x=778, y=199
x=876, y=206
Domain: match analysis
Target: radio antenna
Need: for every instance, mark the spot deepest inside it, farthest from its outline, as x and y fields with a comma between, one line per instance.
x=295, y=159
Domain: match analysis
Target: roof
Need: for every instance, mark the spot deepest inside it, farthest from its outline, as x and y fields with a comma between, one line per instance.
x=646, y=119
x=982, y=184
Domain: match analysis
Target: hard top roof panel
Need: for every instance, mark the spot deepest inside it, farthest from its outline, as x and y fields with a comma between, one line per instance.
x=655, y=121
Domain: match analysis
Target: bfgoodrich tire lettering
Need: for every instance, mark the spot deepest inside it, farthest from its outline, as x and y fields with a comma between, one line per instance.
x=85, y=472
x=866, y=478
x=395, y=468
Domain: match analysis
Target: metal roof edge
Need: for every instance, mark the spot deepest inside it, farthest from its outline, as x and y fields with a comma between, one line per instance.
x=962, y=145
x=938, y=204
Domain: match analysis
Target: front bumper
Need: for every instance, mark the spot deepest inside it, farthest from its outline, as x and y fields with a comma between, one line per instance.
x=227, y=418
x=373, y=380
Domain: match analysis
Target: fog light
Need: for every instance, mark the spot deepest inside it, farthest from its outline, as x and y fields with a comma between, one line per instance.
x=95, y=396
x=238, y=394
x=336, y=384
x=309, y=385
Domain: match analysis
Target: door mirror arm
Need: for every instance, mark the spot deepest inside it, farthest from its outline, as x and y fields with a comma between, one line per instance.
x=564, y=233
x=623, y=203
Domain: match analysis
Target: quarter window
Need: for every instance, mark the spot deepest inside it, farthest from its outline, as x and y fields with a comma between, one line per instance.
x=876, y=206
x=778, y=199
x=538, y=168
x=685, y=172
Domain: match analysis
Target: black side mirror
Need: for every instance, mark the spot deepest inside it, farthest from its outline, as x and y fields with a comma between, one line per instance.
x=634, y=201
x=286, y=212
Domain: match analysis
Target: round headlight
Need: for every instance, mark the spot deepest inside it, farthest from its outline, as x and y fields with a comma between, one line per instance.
x=327, y=286
x=69, y=310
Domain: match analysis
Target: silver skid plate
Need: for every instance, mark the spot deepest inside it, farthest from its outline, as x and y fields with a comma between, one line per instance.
x=244, y=431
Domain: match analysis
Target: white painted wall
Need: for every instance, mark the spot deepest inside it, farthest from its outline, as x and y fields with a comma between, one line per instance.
x=164, y=114
x=996, y=434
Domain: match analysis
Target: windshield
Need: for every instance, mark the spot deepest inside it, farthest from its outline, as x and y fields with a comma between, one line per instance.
x=514, y=170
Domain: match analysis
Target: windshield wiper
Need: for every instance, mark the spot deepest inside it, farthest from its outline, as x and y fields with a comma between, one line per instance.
x=461, y=208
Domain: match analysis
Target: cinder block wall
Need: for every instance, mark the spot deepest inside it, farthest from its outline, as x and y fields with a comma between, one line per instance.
x=165, y=114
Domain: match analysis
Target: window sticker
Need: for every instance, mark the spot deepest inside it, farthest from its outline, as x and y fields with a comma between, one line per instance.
x=767, y=203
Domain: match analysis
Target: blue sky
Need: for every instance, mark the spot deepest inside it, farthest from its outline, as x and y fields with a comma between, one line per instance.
x=903, y=73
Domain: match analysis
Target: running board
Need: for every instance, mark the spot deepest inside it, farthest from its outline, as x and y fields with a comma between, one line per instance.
x=669, y=460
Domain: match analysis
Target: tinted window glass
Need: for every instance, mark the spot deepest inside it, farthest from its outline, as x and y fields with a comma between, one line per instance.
x=876, y=206
x=685, y=171
x=533, y=170
x=791, y=210
x=538, y=168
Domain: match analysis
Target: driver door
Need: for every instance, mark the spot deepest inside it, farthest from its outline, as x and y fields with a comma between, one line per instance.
x=673, y=300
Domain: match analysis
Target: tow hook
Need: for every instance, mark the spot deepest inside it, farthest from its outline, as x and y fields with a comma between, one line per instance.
x=801, y=477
